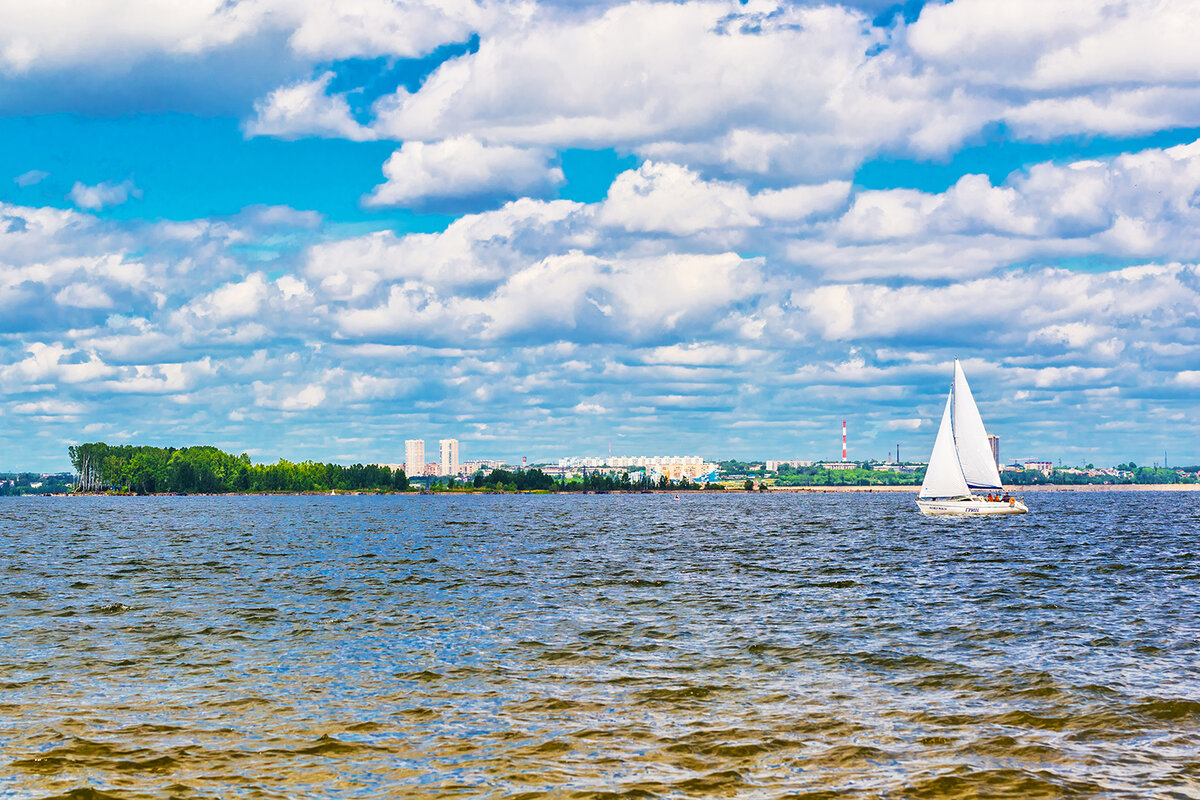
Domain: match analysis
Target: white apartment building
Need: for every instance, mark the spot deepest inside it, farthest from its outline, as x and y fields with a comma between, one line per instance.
x=796, y=463
x=674, y=467
x=631, y=461
x=484, y=465
x=449, y=449
x=414, y=457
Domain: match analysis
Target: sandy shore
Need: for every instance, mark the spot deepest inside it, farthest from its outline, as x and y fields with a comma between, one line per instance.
x=1126, y=487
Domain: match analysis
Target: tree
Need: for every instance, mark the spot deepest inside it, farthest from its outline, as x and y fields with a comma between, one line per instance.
x=748, y=485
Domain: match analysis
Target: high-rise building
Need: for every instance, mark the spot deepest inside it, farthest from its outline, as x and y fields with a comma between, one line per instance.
x=994, y=443
x=414, y=457
x=449, y=456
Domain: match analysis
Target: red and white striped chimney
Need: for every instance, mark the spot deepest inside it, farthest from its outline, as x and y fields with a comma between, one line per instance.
x=843, y=440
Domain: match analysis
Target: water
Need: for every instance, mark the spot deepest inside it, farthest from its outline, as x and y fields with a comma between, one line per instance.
x=598, y=647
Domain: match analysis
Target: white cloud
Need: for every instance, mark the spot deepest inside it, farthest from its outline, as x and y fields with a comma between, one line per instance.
x=476, y=249
x=116, y=33
x=1127, y=112
x=56, y=33
x=801, y=202
x=1189, y=378
x=103, y=195
x=55, y=363
x=1053, y=306
x=669, y=198
x=893, y=214
x=1070, y=43
x=161, y=379
x=31, y=177
x=462, y=167
x=685, y=82
x=306, y=109
x=48, y=408
x=289, y=398
x=674, y=199
x=336, y=29
x=83, y=296
x=590, y=408
x=233, y=301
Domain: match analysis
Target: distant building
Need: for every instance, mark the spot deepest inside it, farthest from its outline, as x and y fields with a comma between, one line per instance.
x=449, y=448
x=994, y=443
x=431, y=469
x=414, y=457
x=773, y=466
x=484, y=465
x=838, y=465
x=674, y=468
x=1044, y=466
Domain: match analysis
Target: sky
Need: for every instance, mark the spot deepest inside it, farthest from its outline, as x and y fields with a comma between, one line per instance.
x=318, y=228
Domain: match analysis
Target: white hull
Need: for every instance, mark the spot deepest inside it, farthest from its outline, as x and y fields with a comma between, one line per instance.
x=975, y=506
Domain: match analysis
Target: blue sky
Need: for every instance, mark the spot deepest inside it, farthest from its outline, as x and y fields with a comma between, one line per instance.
x=315, y=230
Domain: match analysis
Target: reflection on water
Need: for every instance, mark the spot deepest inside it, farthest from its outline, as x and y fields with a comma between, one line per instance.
x=608, y=646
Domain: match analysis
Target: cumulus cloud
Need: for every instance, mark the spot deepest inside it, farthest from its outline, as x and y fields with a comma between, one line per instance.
x=54, y=34
x=474, y=250
x=1135, y=206
x=670, y=198
x=1050, y=305
x=673, y=199
x=563, y=81
x=1070, y=44
x=463, y=167
x=923, y=88
x=103, y=195
x=306, y=109
x=841, y=89
x=327, y=30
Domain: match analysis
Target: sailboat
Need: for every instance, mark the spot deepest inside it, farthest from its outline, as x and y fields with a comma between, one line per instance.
x=961, y=465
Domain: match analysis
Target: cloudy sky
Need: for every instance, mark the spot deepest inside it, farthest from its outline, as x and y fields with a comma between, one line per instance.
x=315, y=228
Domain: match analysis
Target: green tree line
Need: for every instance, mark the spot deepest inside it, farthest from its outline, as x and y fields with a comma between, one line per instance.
x=1032, y=477
x=18, y=483
x=819, y=476
x=534, y=480
x=206, y=470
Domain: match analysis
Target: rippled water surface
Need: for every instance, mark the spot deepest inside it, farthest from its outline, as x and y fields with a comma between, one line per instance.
x=635, y=646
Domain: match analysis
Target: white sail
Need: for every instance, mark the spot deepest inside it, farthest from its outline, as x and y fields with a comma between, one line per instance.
x=944, y=476
x=970, y=437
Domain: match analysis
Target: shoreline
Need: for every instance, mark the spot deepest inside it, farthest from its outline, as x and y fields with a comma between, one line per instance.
x=1014, y=490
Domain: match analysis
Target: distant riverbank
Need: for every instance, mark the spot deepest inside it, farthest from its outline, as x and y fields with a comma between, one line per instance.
x=1016, y=490
x=1082, y=487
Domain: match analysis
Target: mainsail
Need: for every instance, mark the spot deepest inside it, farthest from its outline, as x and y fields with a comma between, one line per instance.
x=961, y=458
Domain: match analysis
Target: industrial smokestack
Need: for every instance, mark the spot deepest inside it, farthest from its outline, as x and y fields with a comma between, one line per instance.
x=843, y=440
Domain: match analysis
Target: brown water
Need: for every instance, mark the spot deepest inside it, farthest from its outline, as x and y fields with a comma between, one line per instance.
x=606, y=646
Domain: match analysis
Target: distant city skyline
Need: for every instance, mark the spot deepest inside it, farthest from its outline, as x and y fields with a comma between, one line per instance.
x=318, y=231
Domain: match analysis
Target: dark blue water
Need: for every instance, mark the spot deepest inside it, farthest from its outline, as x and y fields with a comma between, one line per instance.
x=637, y=646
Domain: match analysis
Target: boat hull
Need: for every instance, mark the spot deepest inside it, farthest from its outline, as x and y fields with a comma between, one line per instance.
x=972, y=507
